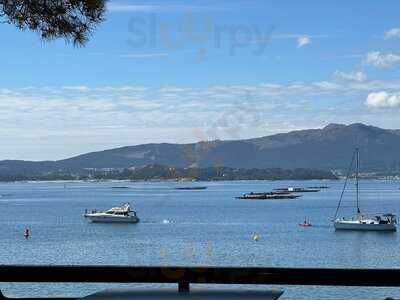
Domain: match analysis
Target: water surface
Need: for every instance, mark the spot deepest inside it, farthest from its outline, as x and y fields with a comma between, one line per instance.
x=191, y=228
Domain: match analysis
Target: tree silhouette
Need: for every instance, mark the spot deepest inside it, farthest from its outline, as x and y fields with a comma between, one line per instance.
x=73, y=20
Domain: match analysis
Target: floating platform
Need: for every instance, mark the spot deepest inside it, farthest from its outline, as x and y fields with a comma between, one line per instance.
x=298, y=190
x=318, y=187
x=267, y=196
x=191, y=188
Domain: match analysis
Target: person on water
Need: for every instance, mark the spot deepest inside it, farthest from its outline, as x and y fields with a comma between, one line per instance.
x=26, y=233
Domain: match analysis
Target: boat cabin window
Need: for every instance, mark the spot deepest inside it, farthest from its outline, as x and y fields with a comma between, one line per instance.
x=120, y=213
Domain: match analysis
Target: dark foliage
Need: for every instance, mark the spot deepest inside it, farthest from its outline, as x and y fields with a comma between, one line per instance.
x=159, y=172
x=73, y=20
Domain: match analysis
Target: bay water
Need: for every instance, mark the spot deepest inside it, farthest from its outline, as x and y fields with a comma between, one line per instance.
x=194, y=228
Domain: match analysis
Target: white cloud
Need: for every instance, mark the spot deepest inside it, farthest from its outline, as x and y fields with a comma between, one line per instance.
x=303, y=40
x=392, y=33
x=109, y=116
x=351, y=76
x=79, y=88
x=381, y=60
x=296, y=36
x=117, y=7
x=123, y=8
x=383, y=100
x=327, y=86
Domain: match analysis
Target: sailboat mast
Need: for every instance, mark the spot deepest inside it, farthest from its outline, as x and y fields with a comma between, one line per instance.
x=357, y=174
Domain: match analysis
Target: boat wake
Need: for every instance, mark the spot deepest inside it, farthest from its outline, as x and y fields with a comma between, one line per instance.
x=165, y=221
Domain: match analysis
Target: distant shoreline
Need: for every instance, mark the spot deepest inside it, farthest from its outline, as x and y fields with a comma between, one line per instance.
x=167, y=173
x=186, y=181
x=155, y=181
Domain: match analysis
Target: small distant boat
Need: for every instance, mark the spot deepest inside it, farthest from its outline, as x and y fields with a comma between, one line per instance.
x=298, y=190
x=267, y=196
x=120, y=187
x=360, y=221
x=191, y=188
x=119, y=214
x=305, y=224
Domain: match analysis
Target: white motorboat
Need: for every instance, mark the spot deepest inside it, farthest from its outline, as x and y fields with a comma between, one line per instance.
x=360, y=221
x=119, y=214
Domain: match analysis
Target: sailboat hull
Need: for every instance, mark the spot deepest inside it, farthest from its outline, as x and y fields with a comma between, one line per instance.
x=362, y=222
x=357, y=226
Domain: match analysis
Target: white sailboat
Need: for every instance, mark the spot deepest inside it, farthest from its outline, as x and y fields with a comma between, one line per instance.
x=360, y=221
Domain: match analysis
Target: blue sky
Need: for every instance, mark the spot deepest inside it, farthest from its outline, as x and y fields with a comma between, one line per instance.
x=184, y=71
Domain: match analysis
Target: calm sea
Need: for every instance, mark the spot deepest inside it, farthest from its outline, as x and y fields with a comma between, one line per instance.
x=192, y=228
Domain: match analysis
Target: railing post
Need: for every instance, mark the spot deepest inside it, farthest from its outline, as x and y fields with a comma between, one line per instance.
x=183, y=287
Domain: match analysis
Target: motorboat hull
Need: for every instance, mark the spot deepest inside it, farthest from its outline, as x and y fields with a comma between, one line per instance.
x=112, y=219
x=357, y=226
x=118, y=214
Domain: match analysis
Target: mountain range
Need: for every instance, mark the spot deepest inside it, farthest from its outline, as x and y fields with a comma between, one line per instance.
x=329, y=148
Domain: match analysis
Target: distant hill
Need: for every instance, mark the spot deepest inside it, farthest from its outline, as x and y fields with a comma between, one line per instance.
x=329, y=148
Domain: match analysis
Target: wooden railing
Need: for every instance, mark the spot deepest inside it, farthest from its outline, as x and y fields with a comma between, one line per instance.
x=184, y=276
